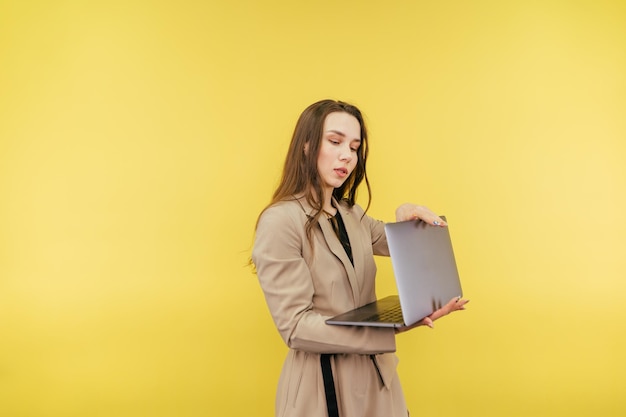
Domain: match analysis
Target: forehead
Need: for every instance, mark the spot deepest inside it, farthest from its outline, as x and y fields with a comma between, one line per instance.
x=343, y=123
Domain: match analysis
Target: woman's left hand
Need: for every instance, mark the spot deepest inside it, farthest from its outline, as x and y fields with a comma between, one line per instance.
x=410, y=211
x=457, y=303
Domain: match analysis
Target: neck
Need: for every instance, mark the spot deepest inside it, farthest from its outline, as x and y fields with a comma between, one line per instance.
x=328, y=202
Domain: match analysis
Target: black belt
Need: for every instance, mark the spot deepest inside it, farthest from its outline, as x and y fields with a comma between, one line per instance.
x=329, y=385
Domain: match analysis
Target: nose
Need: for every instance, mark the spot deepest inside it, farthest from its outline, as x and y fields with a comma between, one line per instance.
x=346, y=155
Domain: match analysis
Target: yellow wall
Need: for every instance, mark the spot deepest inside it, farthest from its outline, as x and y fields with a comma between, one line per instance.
x=139, y=140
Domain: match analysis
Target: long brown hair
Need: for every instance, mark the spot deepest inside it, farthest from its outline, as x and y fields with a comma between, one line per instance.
x=300, y=175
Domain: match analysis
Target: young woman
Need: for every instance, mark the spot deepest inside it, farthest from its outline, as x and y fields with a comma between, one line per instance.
x=314, y=256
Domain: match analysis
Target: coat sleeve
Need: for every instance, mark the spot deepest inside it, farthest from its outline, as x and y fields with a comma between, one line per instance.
x=288, y=288
x=377, y=231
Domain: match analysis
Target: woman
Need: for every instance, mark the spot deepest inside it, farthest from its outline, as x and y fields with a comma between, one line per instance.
x=313, y=255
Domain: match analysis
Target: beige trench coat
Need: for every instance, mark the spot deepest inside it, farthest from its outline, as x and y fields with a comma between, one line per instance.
x=304, y=286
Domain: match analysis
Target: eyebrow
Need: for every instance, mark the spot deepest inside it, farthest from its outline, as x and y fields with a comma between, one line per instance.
x=341, y=134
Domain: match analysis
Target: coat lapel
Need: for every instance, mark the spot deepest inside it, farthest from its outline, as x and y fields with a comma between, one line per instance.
x=336, y=247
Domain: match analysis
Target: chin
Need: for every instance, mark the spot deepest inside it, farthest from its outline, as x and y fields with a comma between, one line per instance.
x=338, y=184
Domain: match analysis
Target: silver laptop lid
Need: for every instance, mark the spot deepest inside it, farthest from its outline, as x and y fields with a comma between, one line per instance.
x=424, y=267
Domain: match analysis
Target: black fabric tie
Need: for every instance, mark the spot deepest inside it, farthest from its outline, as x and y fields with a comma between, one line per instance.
x=340, y=230
x=329, y=385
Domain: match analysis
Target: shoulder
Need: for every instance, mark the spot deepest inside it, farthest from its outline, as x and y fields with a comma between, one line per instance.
x=284, y=208
x=279, y=231
x=282, y=214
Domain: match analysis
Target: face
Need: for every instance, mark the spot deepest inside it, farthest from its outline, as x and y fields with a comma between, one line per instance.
x=337, y=157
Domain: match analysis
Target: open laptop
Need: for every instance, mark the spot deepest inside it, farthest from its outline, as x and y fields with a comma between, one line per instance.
x=425, y=272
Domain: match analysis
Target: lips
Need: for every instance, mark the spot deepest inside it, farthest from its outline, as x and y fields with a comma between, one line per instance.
x=342, y=172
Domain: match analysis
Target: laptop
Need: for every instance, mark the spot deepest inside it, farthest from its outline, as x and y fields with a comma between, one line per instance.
x=425, y=272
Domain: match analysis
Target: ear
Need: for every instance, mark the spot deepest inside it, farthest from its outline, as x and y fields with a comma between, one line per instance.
x=306, y=148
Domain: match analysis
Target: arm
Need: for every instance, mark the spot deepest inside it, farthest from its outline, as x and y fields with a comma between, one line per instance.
x=404, y=212
x=289, y=290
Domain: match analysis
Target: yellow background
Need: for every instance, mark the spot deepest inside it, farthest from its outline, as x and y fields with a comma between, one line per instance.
x=140, y=140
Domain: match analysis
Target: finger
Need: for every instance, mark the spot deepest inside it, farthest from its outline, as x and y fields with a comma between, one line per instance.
x=460, y=304
x=454, y=304
x=438, y=221
x=454, y=300
x=428, y=322
x=430, y=218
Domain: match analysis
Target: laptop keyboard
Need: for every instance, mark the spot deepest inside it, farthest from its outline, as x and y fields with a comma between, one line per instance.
x=393, y=315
